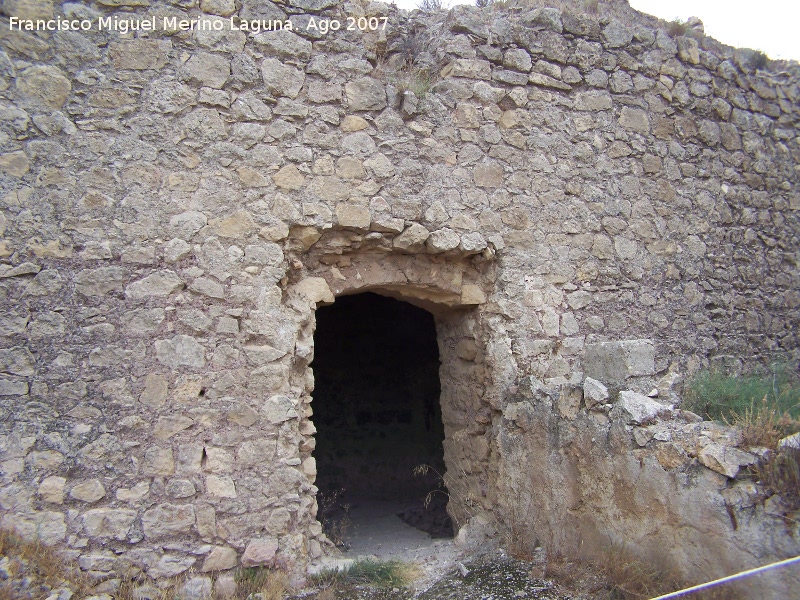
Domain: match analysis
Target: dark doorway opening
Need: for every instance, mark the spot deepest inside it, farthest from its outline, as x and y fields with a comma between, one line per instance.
x=377, y=412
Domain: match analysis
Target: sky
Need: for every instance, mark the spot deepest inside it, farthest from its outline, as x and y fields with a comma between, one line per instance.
x=767, y=25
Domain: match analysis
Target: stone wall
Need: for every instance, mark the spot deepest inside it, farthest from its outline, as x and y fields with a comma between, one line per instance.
x=176, y=203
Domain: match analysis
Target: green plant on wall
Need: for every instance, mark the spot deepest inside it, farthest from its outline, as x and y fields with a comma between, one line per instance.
x=718, y=396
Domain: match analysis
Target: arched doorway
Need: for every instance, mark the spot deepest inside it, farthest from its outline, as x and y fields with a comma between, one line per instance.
x=377, y=412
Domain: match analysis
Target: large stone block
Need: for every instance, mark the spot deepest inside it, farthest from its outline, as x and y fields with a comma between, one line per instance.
x=181, y=350
x=168, y=519
x=221, y=558
x=614, y=362
x=637, y=409
x=162, y=283
x=17, y=361
x=260, y=553
x=98, y=282
x=45, y=83
x=139, y=54
x=282, y=79
x=208, y=69
x=366, y=94
x=108, y=522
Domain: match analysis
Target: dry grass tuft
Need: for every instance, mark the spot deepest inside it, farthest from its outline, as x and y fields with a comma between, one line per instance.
x=780, y=474
x=619, y=575
x=677, y=28
x=44, y=565
x=764, y=425
x=334, y=514
x=271, y=584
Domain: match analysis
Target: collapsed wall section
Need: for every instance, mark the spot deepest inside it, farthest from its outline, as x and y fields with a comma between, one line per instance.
x=176, y=203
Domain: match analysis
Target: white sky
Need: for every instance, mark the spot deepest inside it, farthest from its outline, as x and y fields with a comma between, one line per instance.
x=772, y=26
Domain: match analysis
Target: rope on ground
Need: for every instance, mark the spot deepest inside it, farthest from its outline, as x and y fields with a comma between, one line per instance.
x=742, y=575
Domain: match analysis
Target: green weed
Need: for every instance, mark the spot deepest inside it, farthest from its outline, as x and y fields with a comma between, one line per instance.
x=393, y=573
x=718, y=396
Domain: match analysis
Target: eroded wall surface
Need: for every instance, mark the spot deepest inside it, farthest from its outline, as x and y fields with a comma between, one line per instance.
x=176, y=203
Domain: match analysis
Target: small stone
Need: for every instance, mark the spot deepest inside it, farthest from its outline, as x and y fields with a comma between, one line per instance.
x=547, y=18
x=51, y=489
x=468, y=68
x=543, y=80
x=243, y=415
x=15, y=164
x=171, y=565
x=314, y=290
x=614, y=362
x=289, y=178
x=227, y=325
x=181, y=350
x=160, y=284
x=168, y=519
x=593, y=101
x=442, y=240
x=11, y=387
x=26, y=268
x=616, y=35
x=45, y=83
x=472, y=294
x=517, y=59
x=282, y=79
x=139, y=54
x=251, y=178
x=134, y=494
x=725, y=460
x=89, y=491
x=155, y=391
x=223, y=8
x=166, y=427
x=284, y=44
x=17, y=361
x=207, y=287
x=158, y=461
x=594, y=393
x=468, y=19
x=635, y=119
x=275, y=233
x=472, y=243
x=260, y=553
x=352, y=123
x=688, y=50
x=489, y=174
x=98, y=282
x=380, y=166
x=642, y=436
x=791, y=441
x=638, y=409
x=237, y=225
x=208, y=69
x=366, y=93
x=108, y=522
x=180, y=488
x=220, y=487
x=412, y=239
x=196, y=588
x=351, y=215
x=186, y=224
x=279, y=409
